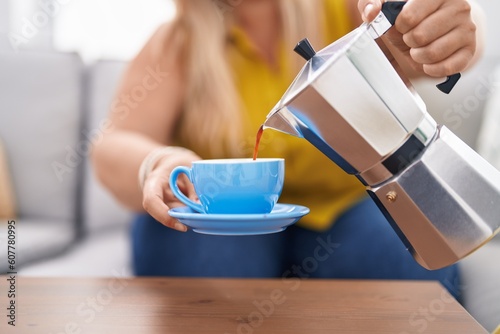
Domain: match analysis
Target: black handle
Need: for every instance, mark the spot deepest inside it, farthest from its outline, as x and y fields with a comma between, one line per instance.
x=305, y=49
x=391, y=11
x=450, y=82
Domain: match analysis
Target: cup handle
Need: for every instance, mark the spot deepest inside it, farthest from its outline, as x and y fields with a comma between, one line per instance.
x=178, y=193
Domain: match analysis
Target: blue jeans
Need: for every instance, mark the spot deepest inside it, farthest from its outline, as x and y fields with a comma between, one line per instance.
x=360, y=245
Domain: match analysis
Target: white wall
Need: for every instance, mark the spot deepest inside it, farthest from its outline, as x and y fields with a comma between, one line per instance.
x=110, y=29
x=30, y=24
x=96, y=29
x=119, y=15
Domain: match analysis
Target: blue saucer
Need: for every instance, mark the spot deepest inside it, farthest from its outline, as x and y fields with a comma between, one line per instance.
x=282, y=216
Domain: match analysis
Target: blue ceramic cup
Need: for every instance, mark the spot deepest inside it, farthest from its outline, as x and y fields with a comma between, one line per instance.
x=232, y=186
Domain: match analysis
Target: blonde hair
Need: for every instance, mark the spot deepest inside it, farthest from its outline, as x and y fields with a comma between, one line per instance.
x=211, y=118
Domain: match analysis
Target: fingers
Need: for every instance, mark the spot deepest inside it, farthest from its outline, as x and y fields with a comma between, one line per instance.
x=439, y=52
x=414, y=13
x=442, y=45
x=153, y=203
x=437, y=37
x=435, y=26
x=453, y=64
x=157, y=195
x=187, y=187
x=369, y=9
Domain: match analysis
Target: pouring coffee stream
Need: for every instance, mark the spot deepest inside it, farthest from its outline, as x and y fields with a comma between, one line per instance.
x=257, y=142
x=439, y=195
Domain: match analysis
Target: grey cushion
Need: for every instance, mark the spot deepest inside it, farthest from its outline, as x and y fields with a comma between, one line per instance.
x=35, y=240
x=102, y=211
x=106, y=254
x=40, y=125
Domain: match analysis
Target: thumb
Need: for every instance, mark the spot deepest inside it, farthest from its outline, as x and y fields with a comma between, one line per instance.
x=369, y=9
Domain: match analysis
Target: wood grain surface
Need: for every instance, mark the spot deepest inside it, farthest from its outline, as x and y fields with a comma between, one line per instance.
x=227, y=306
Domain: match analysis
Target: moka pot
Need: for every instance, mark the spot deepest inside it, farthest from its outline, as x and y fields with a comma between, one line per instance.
x=439, y=195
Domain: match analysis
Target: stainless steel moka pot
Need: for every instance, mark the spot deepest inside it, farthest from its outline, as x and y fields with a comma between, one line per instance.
x=440, y=196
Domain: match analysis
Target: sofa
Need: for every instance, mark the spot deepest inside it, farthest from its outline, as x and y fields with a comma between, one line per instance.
x=68, y=224
x=53, y=107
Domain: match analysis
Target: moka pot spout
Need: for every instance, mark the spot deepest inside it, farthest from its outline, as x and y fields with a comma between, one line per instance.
x=281, y=119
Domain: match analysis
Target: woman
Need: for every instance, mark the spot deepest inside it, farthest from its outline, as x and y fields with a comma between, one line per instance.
x=219, y=68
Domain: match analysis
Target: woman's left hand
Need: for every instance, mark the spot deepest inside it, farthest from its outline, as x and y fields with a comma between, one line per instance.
x=436, y=37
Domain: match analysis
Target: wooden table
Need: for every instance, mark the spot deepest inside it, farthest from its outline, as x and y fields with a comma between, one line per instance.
x=227, y=306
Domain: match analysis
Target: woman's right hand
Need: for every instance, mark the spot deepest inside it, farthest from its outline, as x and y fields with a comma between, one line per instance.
x=157, y=195
x=438, y=38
